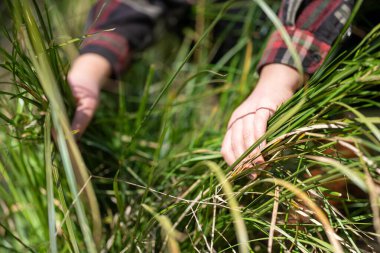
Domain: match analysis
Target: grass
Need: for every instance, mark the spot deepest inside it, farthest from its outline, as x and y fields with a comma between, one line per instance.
x=152, y=151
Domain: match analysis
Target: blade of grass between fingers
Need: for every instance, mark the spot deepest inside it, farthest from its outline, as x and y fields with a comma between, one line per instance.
x=272, y=129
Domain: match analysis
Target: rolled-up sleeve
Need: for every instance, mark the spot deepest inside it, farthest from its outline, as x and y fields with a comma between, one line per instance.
x=118, y=26
x=313, y=25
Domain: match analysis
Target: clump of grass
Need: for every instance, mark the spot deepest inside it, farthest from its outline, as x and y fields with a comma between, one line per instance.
x=149, y=168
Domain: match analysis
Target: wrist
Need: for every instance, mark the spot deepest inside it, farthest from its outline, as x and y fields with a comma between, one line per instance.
x=278, y=77
x=277, y=84
x=89, y=70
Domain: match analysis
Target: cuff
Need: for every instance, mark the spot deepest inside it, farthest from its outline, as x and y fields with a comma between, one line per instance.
x=311, y=51
x=113, y=47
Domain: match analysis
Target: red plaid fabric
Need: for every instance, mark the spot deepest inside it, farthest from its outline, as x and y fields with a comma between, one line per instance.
x=310, y=50
x=110, y=45
x=313, y=26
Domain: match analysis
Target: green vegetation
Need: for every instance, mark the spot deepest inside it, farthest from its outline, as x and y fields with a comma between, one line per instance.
x=154, y=179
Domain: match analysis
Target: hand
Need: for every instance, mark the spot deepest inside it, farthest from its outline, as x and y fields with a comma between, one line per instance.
x=248, y=122
x=86, y=77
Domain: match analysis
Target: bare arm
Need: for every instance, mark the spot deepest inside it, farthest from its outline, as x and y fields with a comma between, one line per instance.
x=313, y=26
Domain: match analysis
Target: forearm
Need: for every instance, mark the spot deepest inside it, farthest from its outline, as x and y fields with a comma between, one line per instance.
x=277, y=79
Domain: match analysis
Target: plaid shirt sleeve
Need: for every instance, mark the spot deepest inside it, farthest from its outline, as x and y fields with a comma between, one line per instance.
x=313, y=25
x=116, y=27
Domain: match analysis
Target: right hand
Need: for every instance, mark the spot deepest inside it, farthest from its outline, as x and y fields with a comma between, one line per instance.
x=86, y=77
x=249, y=121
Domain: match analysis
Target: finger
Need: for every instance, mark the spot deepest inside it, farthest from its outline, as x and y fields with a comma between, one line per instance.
x=260, y=128
x=237, y=141
x=261, y=122
x=84, y=113
x=227, y=149
x=248, y=131
x=249, y=139
x=253, y=176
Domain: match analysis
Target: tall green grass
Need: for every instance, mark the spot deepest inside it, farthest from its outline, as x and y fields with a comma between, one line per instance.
x=153, y=155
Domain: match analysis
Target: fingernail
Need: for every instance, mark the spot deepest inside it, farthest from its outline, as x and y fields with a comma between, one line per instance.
x=253, y=176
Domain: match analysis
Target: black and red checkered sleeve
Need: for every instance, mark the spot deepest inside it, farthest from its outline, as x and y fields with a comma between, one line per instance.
x=115, y=27
x=313, y=25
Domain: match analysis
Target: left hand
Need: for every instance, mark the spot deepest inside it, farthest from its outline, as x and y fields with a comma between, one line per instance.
x=86, y=77
x=249, y=121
